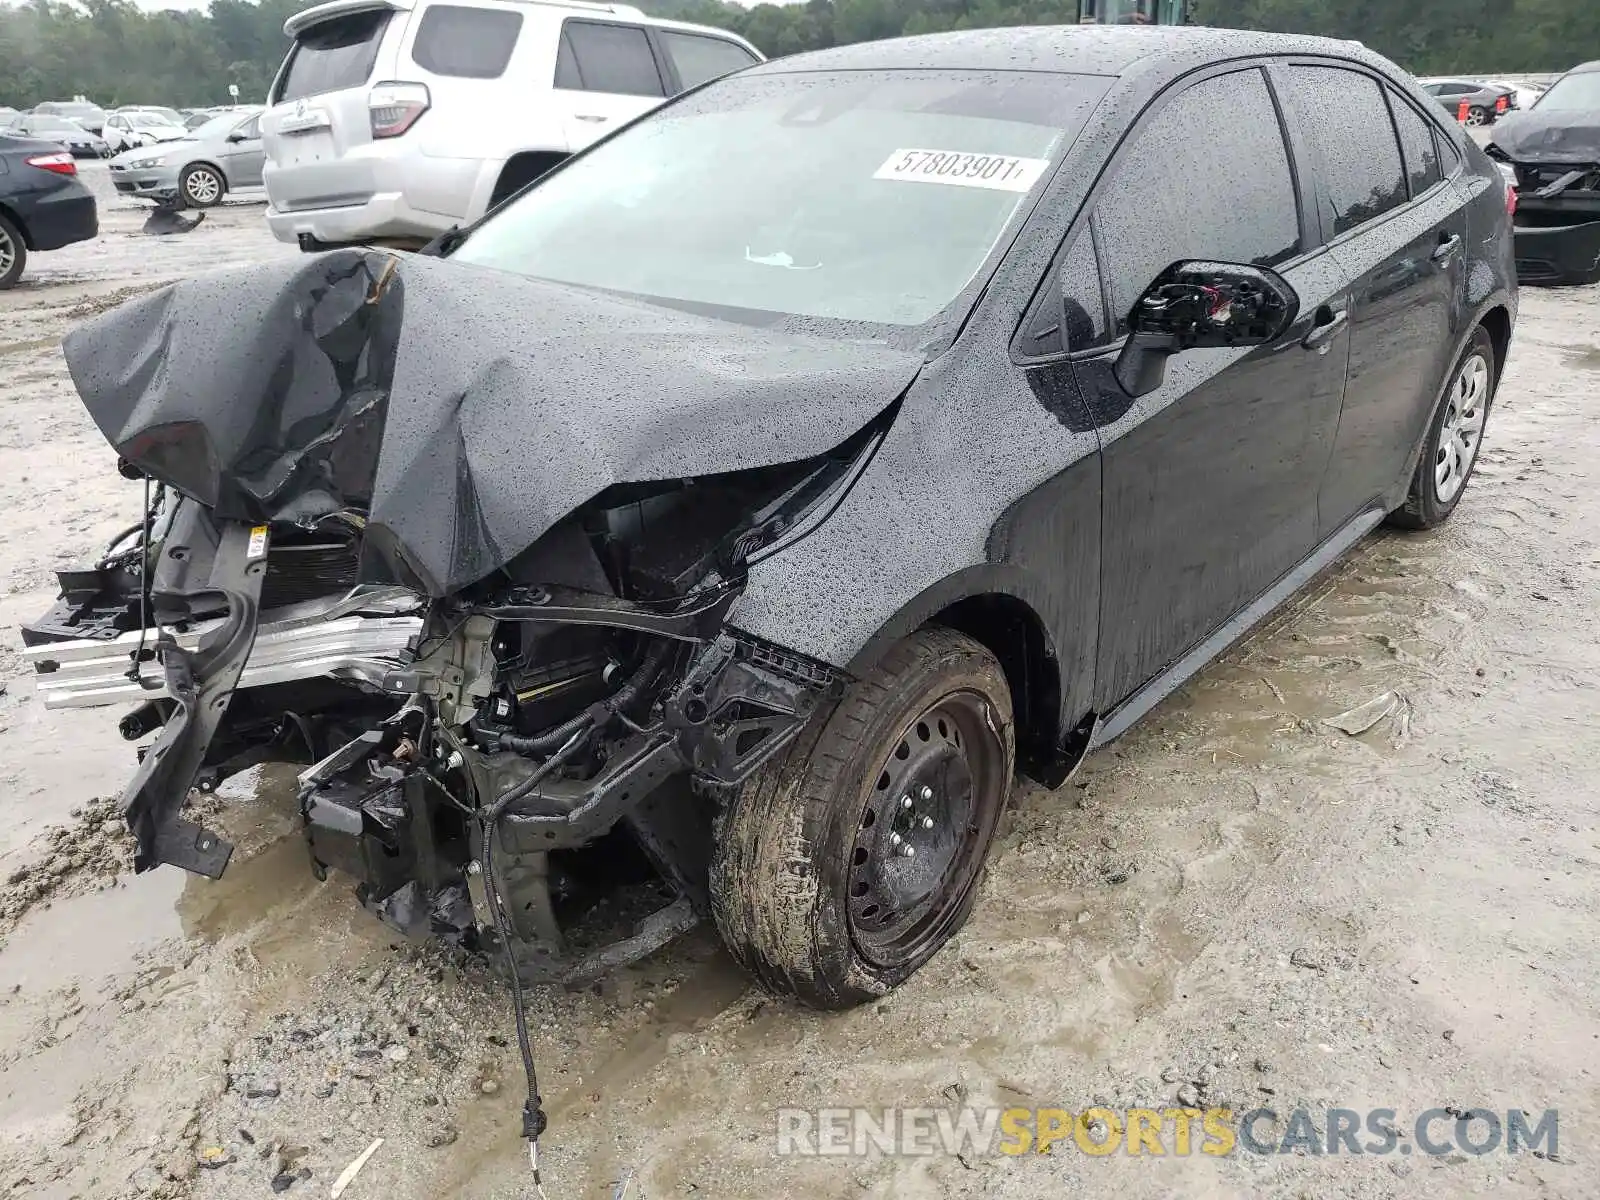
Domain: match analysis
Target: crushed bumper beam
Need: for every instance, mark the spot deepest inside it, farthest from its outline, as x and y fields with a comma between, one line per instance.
x=302, y=643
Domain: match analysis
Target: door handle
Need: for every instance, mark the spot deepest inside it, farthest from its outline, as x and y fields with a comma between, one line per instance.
x=1446, y=249
x=1327, y=325
x=596, y=117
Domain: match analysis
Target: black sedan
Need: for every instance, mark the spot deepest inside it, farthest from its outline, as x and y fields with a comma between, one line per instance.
x=775, y=479
x=43, y=204
x=43, y=127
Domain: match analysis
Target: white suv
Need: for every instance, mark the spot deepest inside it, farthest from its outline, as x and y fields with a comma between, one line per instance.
x=393, y=120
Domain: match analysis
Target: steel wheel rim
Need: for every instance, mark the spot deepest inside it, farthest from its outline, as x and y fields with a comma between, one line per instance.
x=1461, y=433
x=204, y=187
x=8, y=254
x=913, y=865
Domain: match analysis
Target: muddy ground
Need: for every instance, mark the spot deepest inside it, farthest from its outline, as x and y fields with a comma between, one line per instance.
x=1235, y=904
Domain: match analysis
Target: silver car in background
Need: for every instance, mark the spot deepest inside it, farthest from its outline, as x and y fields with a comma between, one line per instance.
x=197, y=171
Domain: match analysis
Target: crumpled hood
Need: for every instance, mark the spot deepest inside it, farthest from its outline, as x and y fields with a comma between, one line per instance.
x=1541, y=135
x=467, y=410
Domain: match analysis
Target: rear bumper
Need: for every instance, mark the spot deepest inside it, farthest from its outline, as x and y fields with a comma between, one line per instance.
x=62, y=218
x=366, y=195
x=383, y=216
x=1558, y=253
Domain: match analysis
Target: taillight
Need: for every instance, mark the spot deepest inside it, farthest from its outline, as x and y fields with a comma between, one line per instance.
x=395, y=107
x=61, y=164
x=1511, y=200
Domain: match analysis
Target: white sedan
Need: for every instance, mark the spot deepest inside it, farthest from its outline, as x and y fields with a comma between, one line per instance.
x=126, y=130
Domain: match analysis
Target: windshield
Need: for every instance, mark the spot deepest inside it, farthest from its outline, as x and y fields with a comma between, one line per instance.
x=1574, y=91
x=53, y=125
x=149, y=121
x=216, y=127
x=855, y=196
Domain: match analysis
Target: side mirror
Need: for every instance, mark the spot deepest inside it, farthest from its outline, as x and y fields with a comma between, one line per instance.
x=236, y=137
x=1194, y=305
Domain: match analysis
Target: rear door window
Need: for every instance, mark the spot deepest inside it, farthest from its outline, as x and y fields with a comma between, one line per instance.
x=333, y=55
x=607, y=58
x=469, y=43
x=1417, y=145
x=701, y=59
x=1195, y=187
x=1344, y=115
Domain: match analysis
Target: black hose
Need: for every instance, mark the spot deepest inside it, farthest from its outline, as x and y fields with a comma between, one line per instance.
x=620, y=701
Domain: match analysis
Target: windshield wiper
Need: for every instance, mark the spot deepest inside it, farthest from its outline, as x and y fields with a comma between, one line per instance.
x=447, y=243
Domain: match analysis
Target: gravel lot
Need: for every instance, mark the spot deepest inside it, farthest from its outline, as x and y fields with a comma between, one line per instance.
x=1236, y=902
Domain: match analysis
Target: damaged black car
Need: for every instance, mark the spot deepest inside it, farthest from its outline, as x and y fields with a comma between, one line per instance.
x=1553, y=152
x=729, y=515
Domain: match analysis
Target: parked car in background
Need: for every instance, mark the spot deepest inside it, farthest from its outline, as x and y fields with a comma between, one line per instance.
x=171, y=115
x=43, y=204
x=6, y=113
x=395, y=122
x=198, y=169
x=1523, y=95
x=125, y=130
x=1484, y=101
x=789, y=470
x=60, y=130
x=91, y=116
x=1553, y=150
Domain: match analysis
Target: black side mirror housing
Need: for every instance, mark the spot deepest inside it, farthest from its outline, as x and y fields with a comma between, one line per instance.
x=1193, y=305
x=236, y=137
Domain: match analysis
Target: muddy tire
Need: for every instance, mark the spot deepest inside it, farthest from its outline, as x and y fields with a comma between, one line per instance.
x=201, y=186
x=847, y=862
x=1450, y=450
x=13, y=254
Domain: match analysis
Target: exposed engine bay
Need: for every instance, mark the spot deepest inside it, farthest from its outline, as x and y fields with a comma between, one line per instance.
x=563, y=729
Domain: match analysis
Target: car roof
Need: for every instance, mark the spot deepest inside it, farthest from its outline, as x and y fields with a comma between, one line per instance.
x=1109, y=50
x=1585, y=68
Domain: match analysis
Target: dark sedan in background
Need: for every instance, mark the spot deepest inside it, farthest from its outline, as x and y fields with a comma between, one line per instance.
x=1485, y=102
x=43, y=205
x=61, y=130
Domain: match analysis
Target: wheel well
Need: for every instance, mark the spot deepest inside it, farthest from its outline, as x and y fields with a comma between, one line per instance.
x=10, y=215
x=1497, y=321
x=521, y=170
x=1013, y=632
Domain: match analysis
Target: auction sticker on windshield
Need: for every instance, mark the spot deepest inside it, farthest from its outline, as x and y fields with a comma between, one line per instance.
x=998, y=172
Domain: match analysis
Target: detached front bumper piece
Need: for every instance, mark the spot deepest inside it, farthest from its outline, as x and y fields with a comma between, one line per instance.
x=1557, y=253
x=1557, y=224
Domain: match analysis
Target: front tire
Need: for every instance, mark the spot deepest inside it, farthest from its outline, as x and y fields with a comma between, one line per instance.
x=1454, y=438
x=201, y=186
x=13, y=254
x=847, y=862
